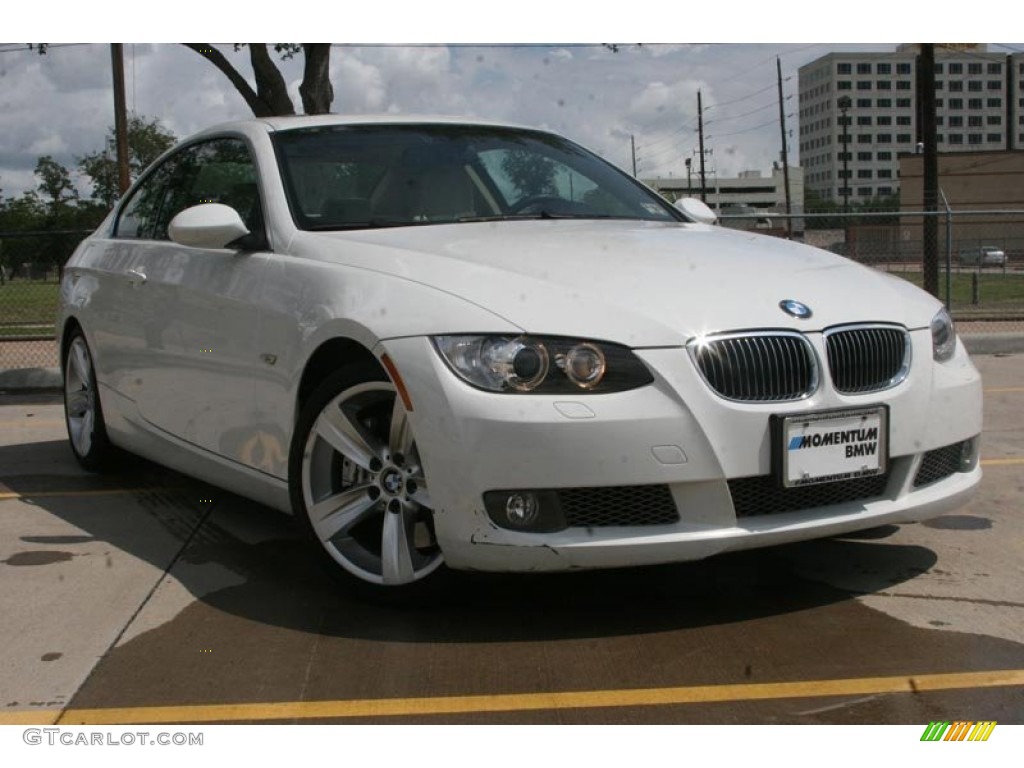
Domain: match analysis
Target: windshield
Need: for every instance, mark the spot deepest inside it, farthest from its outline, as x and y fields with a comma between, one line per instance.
x=356, y=177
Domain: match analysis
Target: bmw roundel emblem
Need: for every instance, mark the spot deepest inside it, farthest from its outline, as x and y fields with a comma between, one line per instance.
x=795, y=309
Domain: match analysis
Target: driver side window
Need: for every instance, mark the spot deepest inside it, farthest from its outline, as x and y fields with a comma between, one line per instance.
x=217, y=171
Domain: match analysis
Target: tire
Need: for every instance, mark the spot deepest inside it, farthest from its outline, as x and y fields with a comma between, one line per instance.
x=83, y=414
x=358, y=488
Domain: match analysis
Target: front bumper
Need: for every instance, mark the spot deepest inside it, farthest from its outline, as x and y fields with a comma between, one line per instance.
x=674, y=432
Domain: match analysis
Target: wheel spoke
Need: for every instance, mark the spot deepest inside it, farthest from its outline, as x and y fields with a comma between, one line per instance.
x=345, y=436
x=421, y=496
x=400, y=439
x=396, y=553
x=340, y=512
x=85, y=435
x=80, y=362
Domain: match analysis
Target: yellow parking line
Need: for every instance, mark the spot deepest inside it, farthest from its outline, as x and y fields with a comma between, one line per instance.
x=1001, y=462
x=521, y=702
x=1004, y=389
x=84, y=492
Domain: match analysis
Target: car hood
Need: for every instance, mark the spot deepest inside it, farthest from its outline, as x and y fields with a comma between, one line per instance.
x=636, y=283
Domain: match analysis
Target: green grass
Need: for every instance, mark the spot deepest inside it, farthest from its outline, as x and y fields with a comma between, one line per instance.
x=25, y=302
x=998, y=291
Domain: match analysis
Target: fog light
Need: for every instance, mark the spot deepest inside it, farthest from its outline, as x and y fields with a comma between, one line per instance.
x=968, y=455
x=521, y=509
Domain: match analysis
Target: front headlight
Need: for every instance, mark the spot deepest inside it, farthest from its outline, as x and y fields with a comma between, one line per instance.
x=542, y=364
x=943, y=336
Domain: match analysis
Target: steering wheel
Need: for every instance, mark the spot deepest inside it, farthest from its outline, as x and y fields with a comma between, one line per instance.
x=534, y=203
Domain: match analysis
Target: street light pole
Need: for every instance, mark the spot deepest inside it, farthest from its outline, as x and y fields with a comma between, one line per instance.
x=844, y=104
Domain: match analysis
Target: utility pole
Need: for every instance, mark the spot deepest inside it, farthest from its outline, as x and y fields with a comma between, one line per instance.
x=926, y=93
x=632, y=144
x=700, y=132
x=785, y=152
x=120, y=117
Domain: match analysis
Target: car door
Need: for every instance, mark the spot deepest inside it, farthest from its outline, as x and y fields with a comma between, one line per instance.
x=192, y=316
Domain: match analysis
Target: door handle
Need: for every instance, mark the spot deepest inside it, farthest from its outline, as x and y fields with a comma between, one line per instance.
x=136, y=277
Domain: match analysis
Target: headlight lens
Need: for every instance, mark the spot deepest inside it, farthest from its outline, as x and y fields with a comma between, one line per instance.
x=943, y=336
x=542, y=364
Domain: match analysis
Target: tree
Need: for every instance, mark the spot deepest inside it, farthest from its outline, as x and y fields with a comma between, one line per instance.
x=147, y=140
x=270, y=97
x=55, y=184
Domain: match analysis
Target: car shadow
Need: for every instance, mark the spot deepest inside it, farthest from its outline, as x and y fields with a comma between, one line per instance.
x=249, y=561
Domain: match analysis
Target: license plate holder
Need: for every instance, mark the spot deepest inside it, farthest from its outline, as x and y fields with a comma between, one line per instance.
x=830, y=446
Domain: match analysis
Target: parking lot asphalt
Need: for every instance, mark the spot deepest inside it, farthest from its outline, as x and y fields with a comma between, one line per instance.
x=145, y=596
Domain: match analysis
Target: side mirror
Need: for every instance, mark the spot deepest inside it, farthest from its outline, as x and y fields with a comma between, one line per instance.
x=696, y=210
x=210, y=225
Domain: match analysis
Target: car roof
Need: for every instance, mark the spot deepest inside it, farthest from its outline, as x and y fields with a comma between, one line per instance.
x=292, y=122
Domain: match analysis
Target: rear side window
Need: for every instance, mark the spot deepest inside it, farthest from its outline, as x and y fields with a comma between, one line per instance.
x=218, y=171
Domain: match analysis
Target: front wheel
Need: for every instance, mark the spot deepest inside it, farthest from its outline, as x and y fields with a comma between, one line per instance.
x=358, y=487
x=82, y=411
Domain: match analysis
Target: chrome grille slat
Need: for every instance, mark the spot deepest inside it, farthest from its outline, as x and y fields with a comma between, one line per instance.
x=757, y=367
x=864, y=358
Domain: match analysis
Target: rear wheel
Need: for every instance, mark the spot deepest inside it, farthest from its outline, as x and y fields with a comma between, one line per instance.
x=82, y=411
x=358, y=487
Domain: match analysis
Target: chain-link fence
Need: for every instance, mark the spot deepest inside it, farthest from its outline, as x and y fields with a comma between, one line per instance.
x=980, y=255
x=981, y=268
x=30, y=264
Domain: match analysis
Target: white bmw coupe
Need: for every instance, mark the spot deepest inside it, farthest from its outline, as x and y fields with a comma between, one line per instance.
x=470, y=345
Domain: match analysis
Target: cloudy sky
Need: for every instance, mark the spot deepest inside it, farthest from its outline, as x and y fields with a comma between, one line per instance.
x=61, y=104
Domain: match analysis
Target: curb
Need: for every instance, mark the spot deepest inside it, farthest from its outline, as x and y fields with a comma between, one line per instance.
x=32, y=380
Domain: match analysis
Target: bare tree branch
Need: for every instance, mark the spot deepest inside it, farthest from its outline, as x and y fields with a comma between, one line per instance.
x=270, y=85
x=256, y=104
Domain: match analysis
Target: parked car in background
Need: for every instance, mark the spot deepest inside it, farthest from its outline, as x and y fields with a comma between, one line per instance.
x=477, y=346
x=984, y=256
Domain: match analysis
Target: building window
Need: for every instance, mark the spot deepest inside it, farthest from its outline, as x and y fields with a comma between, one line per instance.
x=940, y=85
x=994, y=138
x=956, y=103
x=956, y=68
x=863, y=85
x=863, y=120
x=885, y=191
x=844, y=174
x=885, y=155
x=883, y=68
x=956, y=121
x=974, y=121
x=956, y=85
x=864, y=173
x=887, y=103
x=844, y=85
x=865, y=192
x=902, y=85
x=885, y=173
x=864, y=138
x=864, y=157
x=994, y=85
x=974, y=68
x=939, y=138
x=939, y=67
x=841, y=156
x=844, y=69
x=903, y=120
x=975, y=86
x=995, y=69
x=863, y=103
x=864, y=68
x=902, y=103
x=884, y=138
x=883, y=85
x=939, y=103
x=902, y=138
x=974, y=138
x=940, y=120
x=994, y=120
x=956, y=138
x=883, y=120
x=903, y=68
x=994, y=103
